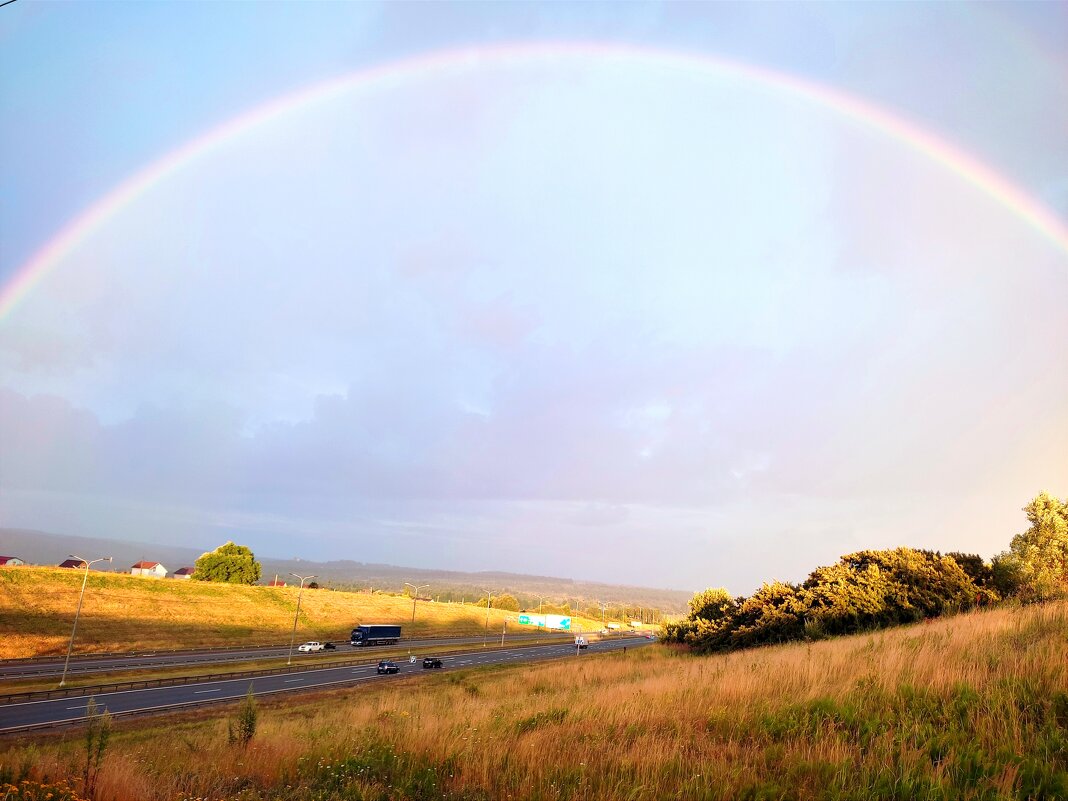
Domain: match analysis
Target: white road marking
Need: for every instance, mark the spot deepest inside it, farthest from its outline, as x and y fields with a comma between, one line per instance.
x=216, y=690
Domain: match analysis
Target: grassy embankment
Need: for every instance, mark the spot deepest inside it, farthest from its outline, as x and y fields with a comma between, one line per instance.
x=123, y=613
x=971, y=707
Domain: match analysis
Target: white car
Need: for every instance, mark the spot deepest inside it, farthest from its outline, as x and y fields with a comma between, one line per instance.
x=308, y=647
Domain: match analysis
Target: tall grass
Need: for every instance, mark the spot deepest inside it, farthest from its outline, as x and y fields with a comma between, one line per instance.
x=124, y=612
x=972, y=707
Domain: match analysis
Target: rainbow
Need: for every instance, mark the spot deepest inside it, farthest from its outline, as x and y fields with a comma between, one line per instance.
x=862, y=113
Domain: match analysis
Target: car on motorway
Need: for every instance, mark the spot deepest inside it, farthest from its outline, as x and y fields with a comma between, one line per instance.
x=388, y=667
x=310, y=647
x=431, y=662
x=329, y=646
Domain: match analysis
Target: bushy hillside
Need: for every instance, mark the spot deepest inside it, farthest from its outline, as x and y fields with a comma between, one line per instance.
x=873, y=589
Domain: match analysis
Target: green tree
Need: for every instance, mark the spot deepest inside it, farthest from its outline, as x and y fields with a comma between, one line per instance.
x=712, y=605
x=229, y=563
x=1007, y=578
x=1040, y=554
x=771, y=614
x=506, y=601
x=977, y=569
x=870, y=589
x=712, y=616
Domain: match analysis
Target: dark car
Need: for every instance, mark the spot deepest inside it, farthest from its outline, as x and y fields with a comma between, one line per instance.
x=431, y=662
x=329, y=646
x=388, y=667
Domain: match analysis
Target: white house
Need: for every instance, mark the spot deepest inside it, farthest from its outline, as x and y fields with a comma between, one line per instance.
x=154, y=569
x=11, y=560
x=184, y=573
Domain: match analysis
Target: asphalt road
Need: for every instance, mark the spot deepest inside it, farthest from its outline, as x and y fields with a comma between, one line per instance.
x=59, y=711
x=88, y=665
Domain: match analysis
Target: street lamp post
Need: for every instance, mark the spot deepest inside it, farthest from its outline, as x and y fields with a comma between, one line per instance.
x=489, y=602
x=70, y=645
x=296, y=614
x=415, y=597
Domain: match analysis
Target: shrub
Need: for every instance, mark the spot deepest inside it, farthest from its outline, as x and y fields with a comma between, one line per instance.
x=244, y=730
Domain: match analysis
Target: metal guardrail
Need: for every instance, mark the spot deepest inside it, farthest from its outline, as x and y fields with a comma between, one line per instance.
x=121, y=654
x=171, y=681
x=206, y=650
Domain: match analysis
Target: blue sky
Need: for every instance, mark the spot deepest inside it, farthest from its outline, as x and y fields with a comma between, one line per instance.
x=572, y=316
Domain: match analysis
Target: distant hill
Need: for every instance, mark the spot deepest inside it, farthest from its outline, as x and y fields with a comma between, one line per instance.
x=46, y=548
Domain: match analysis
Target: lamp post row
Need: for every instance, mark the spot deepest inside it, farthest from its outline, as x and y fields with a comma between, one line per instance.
x=296, y=615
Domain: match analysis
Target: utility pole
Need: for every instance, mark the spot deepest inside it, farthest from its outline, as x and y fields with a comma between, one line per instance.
x=70, y=645
x=489, y=603
x=415, y=597
x=296, y=614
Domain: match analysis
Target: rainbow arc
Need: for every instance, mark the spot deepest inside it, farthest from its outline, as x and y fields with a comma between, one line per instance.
x=860, y=112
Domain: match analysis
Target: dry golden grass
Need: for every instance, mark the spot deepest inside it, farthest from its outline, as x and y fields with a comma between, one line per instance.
x=123, y=613
x=972, y=707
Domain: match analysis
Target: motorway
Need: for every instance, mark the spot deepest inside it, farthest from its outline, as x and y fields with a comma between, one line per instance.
x=88, y=665
x=61, y=711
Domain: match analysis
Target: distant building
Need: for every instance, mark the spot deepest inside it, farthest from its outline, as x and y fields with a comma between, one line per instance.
x=184, y=572
x=73, y=563
x=10, y=561
x=276, y=582
x=154, y=569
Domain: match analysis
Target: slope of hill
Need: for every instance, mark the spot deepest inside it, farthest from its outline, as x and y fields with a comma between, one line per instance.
x=126, y=613
x=44, y=548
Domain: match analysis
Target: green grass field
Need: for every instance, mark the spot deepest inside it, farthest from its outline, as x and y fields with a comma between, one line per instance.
x=123, y=613
x=973, y=707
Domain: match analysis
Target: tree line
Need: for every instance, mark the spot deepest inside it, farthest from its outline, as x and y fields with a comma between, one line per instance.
x=878, y=588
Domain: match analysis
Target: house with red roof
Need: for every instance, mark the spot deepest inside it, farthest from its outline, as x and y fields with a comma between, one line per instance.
x=10, y=561
x=153, y=569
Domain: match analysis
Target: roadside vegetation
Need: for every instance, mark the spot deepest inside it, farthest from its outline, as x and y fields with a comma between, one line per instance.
x=973, y=706
x=874, y=589
x=128, y=613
